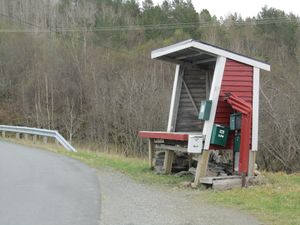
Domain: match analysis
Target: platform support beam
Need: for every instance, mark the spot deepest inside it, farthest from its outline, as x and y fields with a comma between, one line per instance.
x=151, y=148
x=169, y=157
x=201, y=166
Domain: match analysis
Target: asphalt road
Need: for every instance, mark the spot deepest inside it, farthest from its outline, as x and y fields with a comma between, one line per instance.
x=43, y=188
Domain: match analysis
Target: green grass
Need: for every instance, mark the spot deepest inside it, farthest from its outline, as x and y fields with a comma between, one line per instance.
x=138, y=169
x=277, y=202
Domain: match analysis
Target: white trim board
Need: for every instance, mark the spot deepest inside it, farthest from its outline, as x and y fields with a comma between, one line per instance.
x=175, y=94
x=214, y=96
x=209, y=49
x=255, y=109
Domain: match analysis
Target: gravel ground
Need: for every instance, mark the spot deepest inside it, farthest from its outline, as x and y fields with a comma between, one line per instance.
x=127, y=202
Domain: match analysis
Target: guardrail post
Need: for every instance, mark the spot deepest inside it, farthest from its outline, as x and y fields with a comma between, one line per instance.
x=3, y=134
x=17, y=136
x=34, y=139
x=26, y=137
x=45, y=140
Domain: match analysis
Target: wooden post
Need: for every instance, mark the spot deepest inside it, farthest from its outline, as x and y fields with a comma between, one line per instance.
x=201, y=166
x=34, y=139
x=169, y=157
x=17, y=136
x=252, y=159
x=3, y=134
x=151, y=149
x=190, y=158
x=45, y=140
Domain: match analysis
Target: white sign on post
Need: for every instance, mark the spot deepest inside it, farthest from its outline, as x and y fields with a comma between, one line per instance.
x=195, y=144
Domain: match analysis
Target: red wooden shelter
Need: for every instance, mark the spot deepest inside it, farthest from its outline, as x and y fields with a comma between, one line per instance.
x=222, y=89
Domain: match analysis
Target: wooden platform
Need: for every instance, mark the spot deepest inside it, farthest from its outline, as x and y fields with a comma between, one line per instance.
x=164, y=135
x=177, y=136
x=222, y=183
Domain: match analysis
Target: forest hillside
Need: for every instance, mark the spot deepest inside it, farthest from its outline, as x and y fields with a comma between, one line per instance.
x=83, y=67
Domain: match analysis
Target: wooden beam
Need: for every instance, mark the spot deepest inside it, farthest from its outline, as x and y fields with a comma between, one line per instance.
x=252, y=159
x=190, y=55
x=208, y=82
x=169, y=157
x=255, y=112
x=202, y=61
x=214, y=96
x=201, y=166
x=171, y=147
x=151, y=148
x=175, y=98
x=190, y=96
x=227, y=184
x=210, y=180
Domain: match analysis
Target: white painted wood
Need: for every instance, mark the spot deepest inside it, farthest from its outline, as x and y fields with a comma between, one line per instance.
x=255, y=108
x=214, y=96
x=174, y=99
x=210, y=50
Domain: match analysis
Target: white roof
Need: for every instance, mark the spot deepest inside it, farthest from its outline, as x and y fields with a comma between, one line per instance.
x=199, y=52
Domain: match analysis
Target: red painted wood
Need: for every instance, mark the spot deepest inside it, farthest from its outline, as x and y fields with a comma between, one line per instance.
x=237, y=72
x=237, y=83
x=237, y=80
x=241, y=105
x=164, y=135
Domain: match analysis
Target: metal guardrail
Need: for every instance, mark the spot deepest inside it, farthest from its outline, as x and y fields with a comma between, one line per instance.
x=39, y=132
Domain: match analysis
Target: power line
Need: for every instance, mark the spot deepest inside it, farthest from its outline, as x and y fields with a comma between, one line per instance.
x=166, y=26
x=19, y=20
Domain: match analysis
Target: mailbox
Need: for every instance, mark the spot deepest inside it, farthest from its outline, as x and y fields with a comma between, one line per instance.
x=235, y=121
x=219, y=135
x=195, y=144
x=205, y=108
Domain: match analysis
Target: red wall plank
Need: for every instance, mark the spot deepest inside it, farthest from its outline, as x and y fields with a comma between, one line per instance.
x=237, y=79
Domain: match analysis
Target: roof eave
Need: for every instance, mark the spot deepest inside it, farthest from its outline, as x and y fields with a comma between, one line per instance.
x=211, y=49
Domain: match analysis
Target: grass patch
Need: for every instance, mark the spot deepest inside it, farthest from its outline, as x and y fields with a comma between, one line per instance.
x=277, y=202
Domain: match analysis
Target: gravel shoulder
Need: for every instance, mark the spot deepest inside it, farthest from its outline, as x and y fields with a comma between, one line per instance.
x=127, y=202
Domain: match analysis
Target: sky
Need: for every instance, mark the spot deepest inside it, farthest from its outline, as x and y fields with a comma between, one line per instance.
x=244, y=8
